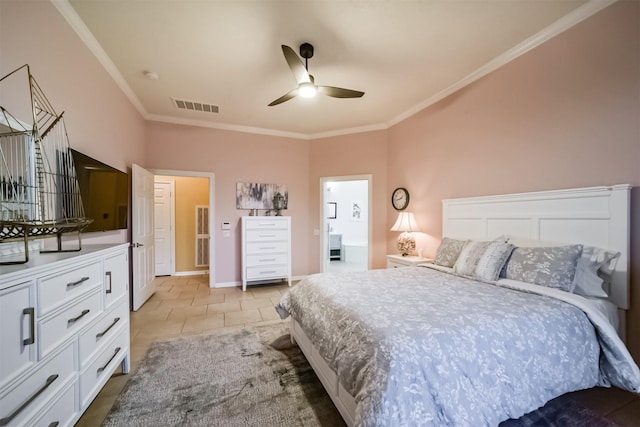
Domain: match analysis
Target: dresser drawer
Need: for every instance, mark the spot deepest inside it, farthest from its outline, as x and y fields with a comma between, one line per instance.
x=116, y=277
x=17, y=331
x=267, y=272
x=101, y=368
x=67, y=322
x=266, y=259
x=63, y=412
x=267, y=247
x=102, y=331
x=38, y=387
x=267, y=224
x=57, y=289
x=267, y=235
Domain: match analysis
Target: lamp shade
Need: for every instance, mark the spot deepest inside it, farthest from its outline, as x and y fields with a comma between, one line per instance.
x=405, y=222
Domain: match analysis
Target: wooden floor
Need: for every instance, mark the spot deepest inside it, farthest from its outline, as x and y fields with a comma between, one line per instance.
x=186, y=306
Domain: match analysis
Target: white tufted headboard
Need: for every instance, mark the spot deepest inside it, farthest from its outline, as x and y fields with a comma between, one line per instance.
x=595, y=216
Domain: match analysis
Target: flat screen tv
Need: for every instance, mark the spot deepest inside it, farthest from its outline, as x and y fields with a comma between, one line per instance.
x=104, y=191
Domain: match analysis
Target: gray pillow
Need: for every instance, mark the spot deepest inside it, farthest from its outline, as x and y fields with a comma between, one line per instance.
x=593, y=270
x=553, y=267
x=448, y=252
x=493, y=260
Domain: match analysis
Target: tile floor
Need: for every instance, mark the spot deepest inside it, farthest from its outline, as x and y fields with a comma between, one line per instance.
x=187, y=306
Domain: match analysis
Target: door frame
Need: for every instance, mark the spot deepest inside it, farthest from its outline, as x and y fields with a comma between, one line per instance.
x=212, y=240
x=172, y=220
x=324, y=244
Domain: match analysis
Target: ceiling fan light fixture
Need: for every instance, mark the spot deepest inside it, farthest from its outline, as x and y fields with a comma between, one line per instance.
x=306, y=83
x=307, y=90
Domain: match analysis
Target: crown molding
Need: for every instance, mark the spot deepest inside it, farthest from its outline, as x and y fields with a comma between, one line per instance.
x=225, y=126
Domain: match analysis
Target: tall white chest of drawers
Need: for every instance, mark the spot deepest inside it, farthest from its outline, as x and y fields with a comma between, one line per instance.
x=266, y=248
x=64, y=329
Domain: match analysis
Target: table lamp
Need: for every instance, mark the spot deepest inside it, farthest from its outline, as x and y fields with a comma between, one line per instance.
x=405, y=223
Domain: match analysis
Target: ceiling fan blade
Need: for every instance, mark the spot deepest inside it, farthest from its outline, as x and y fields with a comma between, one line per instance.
x=338, y=92
x=284, y=98
x=296, y=65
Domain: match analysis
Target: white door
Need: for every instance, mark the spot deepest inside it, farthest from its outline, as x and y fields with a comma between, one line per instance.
x=142, y=240
x=163, y=230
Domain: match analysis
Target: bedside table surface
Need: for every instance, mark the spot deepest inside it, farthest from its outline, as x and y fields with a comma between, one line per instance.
x=409, y=260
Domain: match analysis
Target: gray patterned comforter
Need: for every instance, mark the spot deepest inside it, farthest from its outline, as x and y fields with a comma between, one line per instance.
x=419, y=347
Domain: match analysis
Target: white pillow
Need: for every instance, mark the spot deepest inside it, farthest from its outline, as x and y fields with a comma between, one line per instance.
x=469, y=258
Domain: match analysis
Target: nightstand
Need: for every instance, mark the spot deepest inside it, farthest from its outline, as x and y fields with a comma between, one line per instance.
x=396, y=261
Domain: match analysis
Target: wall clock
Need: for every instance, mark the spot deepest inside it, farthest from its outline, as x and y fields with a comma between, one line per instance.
x=400, y=198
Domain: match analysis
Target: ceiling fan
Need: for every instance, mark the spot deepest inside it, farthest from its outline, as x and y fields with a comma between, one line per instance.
x=306, y=84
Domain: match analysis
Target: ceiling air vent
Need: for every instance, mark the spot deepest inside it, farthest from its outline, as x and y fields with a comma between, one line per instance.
x=182, y=104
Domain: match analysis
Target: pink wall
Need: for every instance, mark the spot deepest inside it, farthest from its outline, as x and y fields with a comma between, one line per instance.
x=357, y=154
x=238, y=157
x=100, y=120
x=567, y=114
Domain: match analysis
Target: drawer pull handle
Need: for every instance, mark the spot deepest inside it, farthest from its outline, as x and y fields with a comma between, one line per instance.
x=268, y=260
x=103, y=333
x=77, y=282
x=32, y=326
x=7, y=420
x=54, y=424
x=107, y=364
x=75, y=319
x=108, y=274
x=268, y=272
x=267, y=248
x=267, y=235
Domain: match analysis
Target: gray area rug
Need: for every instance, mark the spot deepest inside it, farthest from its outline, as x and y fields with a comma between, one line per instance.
x=248, y=377
x=564, y=411
x=256, y=377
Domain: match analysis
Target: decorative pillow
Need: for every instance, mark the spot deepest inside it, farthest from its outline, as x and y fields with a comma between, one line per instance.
x=586, y=281
x=493, y=260
x=553, y=267
x=469, y=257
x=594, y=268
x=605, y=259
x=503, y=238
x=448, y=252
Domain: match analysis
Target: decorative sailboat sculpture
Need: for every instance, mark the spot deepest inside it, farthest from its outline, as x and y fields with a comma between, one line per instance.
x=39, y=192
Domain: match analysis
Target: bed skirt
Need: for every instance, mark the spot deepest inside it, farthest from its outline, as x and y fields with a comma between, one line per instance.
x=345, y=403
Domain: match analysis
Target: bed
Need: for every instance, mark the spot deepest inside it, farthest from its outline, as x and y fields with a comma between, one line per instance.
x=478, y=340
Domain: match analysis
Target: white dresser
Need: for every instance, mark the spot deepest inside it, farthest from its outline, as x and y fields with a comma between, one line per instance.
x=64, y=329
x=266, y=248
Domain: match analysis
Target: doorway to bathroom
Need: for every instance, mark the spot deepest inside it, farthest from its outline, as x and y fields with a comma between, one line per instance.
x=346, y=223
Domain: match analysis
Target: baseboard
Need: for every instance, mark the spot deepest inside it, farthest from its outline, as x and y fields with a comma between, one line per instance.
x=227, y=284
x=232, y=284
x=191, y=273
